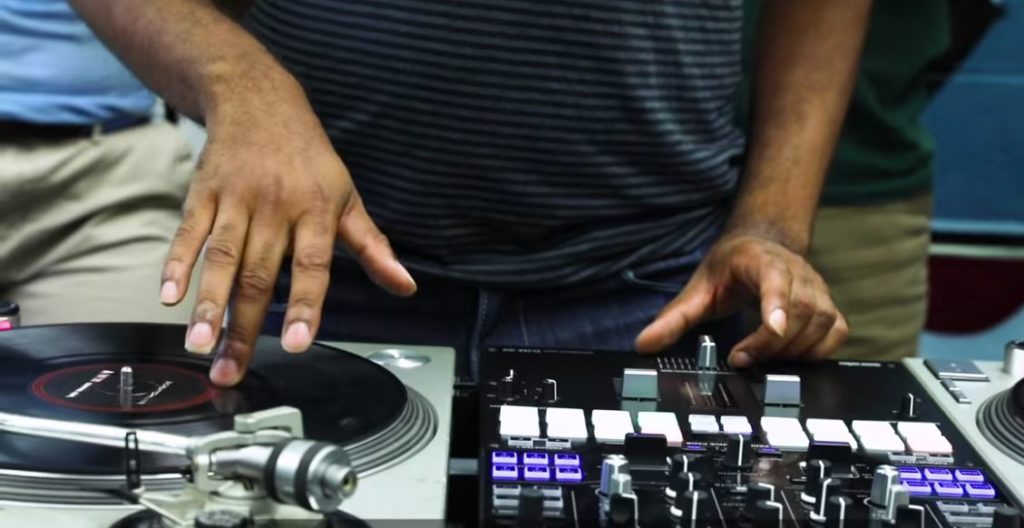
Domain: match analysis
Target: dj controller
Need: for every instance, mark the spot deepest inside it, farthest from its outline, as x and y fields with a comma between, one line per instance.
x=581, y=438
x=115, y=426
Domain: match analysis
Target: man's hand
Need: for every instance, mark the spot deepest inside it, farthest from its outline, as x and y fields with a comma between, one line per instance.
x=268, y=181
x=799, y=317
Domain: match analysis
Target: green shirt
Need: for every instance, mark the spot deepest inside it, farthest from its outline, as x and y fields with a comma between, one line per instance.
x=884, y=151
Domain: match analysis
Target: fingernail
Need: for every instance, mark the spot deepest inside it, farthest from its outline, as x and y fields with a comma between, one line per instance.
x=199, y=339
x=297, y=337
x=408, y=278
x=740, y=359
x=224, y=371
x=642, y=340
x=777, y=321
x=169, y=292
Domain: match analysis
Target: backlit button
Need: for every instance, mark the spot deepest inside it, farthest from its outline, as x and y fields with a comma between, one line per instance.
x=567, y=459
x=969, y=475
x=704, y=424
x=504, y=472
x=519, y=421
x=736, y=425
x=570, y=424
x=535, y=459
x=661, y=423
x=877, y=436
x=948, y=489
x=504, y=457
x=611, y=427
x=917, y=429
x=910, y=473
x=784, y=433
x=536, y=473
x=568, y=474
x=938, y=474
x=980, y=491
x=918, y=487
x=929, y=445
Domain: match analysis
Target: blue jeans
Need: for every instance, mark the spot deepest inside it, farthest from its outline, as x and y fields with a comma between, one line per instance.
x=603, y=315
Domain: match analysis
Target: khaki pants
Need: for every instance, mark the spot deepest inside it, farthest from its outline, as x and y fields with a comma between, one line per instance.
x=875, y=261
x=85, y=225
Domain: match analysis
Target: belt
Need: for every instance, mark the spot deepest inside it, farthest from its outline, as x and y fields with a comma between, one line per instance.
x=20, y=132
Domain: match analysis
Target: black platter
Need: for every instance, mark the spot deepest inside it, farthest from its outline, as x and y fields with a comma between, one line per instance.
x=71, y=372
x=1001, y=421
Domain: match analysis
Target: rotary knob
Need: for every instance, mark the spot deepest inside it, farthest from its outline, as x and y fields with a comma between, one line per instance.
x=1006, y=517
x=549, y=390
x=679, y=463
x=885, y=478
x=738, y=452
x=622, y=511
x=830, y=487
x=612, y=465
x=909, y=516
x=682, y=482
x=1013, y=359
x=837, y=511
x=909, y=406
x=758, y=491
x=693, y=508
x=766, y=514
x=815, y=472
x=507, y=387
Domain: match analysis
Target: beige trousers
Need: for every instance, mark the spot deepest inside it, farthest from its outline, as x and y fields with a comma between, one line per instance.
x=85, y=225
x=875, y=261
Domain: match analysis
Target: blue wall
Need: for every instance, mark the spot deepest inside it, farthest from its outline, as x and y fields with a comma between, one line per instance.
x=978, y=122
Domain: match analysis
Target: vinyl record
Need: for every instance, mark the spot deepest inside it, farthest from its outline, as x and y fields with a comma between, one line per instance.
x=1001, y=421
x=71, y=372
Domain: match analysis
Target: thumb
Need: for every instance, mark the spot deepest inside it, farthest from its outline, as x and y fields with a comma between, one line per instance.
x=682, y=314
x=371, y=248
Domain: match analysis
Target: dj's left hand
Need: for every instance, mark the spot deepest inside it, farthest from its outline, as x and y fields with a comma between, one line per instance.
x=800, y=321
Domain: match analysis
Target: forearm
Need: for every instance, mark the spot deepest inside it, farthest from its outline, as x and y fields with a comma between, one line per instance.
x=806, y=65
x=189, y=52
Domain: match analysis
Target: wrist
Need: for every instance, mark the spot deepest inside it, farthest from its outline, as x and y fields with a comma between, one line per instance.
x=238, y=90
x=784, y=234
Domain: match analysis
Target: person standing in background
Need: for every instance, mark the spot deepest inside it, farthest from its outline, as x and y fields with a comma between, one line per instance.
x=90, y=186
x=872, y=232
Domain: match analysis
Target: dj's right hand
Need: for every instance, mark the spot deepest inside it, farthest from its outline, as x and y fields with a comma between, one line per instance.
x=268, y=180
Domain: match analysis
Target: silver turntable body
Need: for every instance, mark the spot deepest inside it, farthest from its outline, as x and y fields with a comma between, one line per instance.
x=962, y=409
x=409, y=485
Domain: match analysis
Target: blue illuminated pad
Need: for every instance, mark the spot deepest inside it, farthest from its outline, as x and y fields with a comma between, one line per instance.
x=938, y=474
x=568, y=474
x=918, y=487
x=536, y=473
x=504, y=472
x=969, y=475
x=535, y=459
x=948, y=489
x=980, y=491
x=567, y=459
x=910, y=473
x=504, y=457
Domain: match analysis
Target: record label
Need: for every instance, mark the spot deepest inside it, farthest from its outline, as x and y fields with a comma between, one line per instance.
x=97, y=388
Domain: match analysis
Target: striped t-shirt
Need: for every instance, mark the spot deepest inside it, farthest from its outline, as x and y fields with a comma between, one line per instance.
x=524, y=142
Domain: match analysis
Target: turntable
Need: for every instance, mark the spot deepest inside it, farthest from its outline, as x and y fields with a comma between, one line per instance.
x=103, y=425
x=985, y=400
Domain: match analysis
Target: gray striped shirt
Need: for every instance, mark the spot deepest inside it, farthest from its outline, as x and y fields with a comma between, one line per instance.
x=525, y=142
